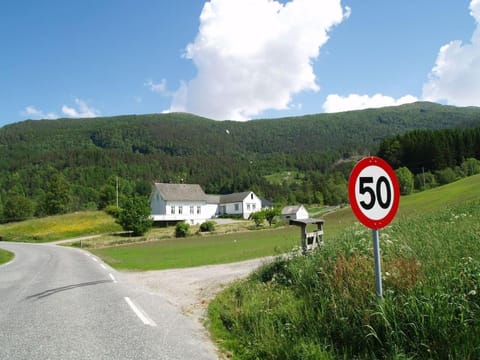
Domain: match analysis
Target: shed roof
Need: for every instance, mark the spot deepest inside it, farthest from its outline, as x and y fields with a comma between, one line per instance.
x=181, y=192
x=291, y=209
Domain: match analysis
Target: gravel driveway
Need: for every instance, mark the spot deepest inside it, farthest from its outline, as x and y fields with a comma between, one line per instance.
x=192, y=289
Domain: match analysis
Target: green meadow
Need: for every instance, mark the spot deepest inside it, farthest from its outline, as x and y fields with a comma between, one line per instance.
x=324, y=305
x=59, y=227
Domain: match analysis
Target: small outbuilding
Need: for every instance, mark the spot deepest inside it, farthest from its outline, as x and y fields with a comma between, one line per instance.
x=313, y=239
x=294, y=212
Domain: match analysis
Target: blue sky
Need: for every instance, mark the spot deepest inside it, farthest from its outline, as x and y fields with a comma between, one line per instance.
x=233, y=59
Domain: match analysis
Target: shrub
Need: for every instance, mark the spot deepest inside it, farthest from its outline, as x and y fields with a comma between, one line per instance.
x=135, y=216
x=207, y=226
x=182, y=229
x=113, y=211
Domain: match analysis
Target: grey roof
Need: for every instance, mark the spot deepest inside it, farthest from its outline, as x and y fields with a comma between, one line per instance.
x=266, y=203
x=291, y=209
x=233, y=198
x=213, y=199
x=181, y=192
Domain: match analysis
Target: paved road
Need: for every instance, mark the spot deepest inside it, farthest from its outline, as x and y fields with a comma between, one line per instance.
x=64, y=303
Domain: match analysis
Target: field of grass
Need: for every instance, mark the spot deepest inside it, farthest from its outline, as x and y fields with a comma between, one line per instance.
x=323, y=306
x=59, y=227
x=5, y=256
x=200, y=250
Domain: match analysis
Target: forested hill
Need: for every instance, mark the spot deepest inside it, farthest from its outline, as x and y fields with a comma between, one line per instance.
x=223, y=156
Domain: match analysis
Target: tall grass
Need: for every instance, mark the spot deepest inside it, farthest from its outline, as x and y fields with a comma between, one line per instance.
x=323, y=306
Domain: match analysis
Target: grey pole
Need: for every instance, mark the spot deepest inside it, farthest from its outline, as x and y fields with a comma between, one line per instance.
x=378, y=270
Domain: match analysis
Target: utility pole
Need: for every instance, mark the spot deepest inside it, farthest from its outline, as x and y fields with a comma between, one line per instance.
x=116, y=187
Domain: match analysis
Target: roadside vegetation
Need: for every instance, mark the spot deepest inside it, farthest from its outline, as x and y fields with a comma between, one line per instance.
x=5, y=256
x=324, y=306
x=59, y=227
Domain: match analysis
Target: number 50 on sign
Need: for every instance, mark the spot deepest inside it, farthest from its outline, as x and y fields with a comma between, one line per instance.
x=374, y=192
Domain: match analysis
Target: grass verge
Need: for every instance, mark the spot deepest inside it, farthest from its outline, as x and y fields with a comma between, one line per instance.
x=323, y=306
x=5, y=256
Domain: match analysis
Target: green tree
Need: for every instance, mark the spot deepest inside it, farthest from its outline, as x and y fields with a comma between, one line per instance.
x=57, y=195
x=258, y=217
x=405, y=180
x=135, y=216
x=471, y=166
x=270, y=214
x=18, y=207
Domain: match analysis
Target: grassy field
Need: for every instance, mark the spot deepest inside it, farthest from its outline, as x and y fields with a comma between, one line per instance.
x=5, y=256
x=59, y=227
x=323, y=306
x=200, y=249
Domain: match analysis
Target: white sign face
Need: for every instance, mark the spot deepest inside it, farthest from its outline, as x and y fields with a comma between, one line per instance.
x=374, y=192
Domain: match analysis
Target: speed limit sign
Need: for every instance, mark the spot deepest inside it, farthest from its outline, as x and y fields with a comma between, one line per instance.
x=374, y=192
x=374, y=196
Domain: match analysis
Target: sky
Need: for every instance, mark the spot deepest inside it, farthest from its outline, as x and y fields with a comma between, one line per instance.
x=234, y=59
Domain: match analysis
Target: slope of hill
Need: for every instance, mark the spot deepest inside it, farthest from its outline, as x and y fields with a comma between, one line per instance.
x=221, y=156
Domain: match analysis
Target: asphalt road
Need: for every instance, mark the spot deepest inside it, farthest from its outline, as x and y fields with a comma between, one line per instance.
x=64, y=303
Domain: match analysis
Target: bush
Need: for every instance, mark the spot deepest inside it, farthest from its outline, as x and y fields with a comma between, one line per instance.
x=182, y=229
x=405, y=180
x=113, y=211
x=135, y=216
x=207, y=226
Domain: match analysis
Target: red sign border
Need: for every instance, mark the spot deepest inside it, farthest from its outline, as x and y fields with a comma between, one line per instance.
x=362, y=164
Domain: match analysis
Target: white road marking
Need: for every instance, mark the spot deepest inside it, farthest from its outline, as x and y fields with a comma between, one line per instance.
x=94, y=259
x=103, y=266
x=113, y=278
x=140, y=313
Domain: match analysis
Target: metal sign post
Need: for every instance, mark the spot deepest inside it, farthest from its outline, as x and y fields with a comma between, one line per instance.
x=378, y=267
x=374, y=196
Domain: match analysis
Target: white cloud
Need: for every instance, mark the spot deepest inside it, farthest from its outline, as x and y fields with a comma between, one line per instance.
x=337, y=103
x=82, y=110
x=254, y=55
x=33, y=113
x=160, y=87
x=455, y=78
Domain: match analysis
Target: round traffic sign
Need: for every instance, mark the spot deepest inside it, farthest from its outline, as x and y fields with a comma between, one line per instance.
x=374, y=192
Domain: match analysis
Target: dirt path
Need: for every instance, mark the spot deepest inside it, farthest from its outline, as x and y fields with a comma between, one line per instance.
x=192, y=289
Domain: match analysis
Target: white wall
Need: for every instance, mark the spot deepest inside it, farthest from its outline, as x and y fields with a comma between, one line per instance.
x=251, y=204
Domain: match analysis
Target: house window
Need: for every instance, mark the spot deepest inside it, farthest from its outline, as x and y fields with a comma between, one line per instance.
x=248, y=207
x=253, y=207
x=236, y=207
x=180, y=209
x=191, y=209
x=251, y=196
x=172, y=209
x=198, y=209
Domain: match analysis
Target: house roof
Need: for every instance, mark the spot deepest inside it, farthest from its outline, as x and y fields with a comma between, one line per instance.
x=266, y=203
x=291, y=209
x=181, y=192
x=233, y=198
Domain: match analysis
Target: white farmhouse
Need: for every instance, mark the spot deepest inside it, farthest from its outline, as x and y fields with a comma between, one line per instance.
x=179, y=202
x=294, y=212
x=188, y=202
x=243, y=204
